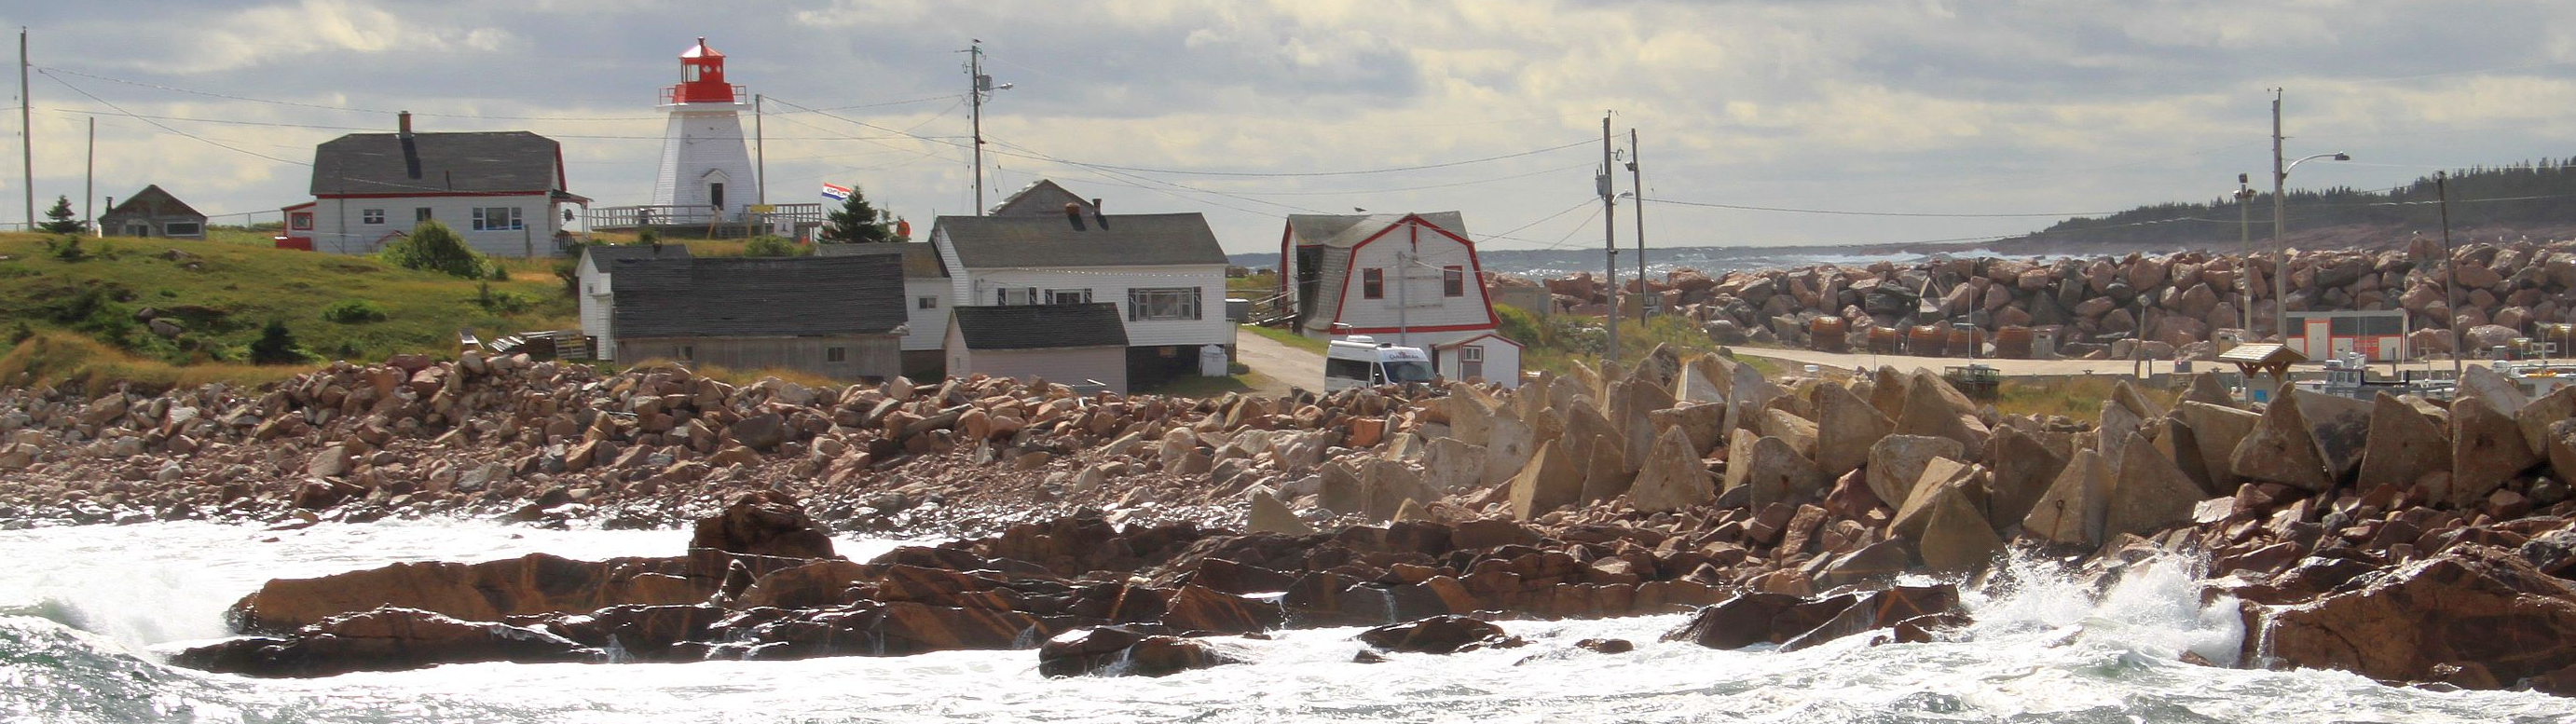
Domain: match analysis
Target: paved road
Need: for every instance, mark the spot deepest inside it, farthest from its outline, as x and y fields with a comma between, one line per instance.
x=2067, y=367
x=1285, y=366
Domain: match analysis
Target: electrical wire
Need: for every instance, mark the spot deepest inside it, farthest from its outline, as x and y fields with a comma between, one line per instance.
x=1901, y=214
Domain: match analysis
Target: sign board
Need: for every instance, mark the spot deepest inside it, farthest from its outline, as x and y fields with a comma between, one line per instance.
x=763, y=208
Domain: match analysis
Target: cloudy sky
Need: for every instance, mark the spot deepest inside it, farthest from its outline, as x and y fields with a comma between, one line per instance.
x=1247, y=110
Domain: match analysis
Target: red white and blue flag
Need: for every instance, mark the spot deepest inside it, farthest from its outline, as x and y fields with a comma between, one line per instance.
x=836, y=193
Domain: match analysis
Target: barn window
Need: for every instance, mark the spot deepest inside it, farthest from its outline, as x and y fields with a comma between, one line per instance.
x=1373, y=284
x=1453, y=281
x=836, y=354
x=300, y=221
x=1176, y=303
x=371, y=217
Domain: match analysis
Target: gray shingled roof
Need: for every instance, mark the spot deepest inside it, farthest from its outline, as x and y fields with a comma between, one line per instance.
x=920, y=259
x=1047, y=242
x=758, y=296
x=1349, y=229
x=1041, y=198
x=600, y=255
x=153, y=201
x=1041, y=326
x=377, y=163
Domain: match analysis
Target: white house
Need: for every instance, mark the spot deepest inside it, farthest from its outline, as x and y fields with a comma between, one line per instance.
x=598, y=293
x=1409, y=279
x=1164, y=273
x=503, y=191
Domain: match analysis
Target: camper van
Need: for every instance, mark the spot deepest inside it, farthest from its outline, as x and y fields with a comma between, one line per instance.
x=1364, y=362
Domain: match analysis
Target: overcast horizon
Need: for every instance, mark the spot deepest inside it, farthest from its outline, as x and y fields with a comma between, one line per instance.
x=2027, y=112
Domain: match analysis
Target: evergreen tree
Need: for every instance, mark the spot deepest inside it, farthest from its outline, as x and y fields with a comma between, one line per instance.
x=277, y=346
x=59, y=218
x=858, y=222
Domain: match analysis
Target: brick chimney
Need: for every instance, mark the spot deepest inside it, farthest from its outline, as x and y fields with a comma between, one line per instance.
x=1073, y=214
x=1097, y=216
x=403, y=124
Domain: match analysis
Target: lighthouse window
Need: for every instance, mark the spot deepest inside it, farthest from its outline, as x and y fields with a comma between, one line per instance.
x=688, y=73
x=496, y=218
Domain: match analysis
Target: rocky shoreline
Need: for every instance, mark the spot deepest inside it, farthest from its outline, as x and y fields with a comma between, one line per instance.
x=2157, y=306
x=2409, y=540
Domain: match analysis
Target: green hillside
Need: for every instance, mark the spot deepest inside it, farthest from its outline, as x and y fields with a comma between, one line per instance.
x=2530, y=194
x=221, y=294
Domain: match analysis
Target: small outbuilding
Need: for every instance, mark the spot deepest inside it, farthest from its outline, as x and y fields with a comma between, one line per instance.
x=1081, y=345
x=153, y=213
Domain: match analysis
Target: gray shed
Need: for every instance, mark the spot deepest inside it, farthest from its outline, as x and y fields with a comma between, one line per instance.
x=1073, y=344
x=153, y=212
x=840, y=317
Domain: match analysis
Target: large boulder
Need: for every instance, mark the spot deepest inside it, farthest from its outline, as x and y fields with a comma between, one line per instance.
x=2340, y=428
x=1548, y=482
x=2487, y=450
x=1847, y=427
x=2404, y=446
x=1956, y=538
x=1673, y=476
x=1934, y=408
x=1268, y=515
x=2279, y=449
x=1445, y=634
x=763, y=524
x=1771, y=468
x=2024, y=469
x=534, y=584
x=1123, y=651
x=384, y=639
x=2473, y=616
x=2217, y=429
x=2077, y=505
x=2148, y=492
x=1897, y=461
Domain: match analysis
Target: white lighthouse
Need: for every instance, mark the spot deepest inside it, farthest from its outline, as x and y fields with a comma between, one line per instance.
x=706, y=169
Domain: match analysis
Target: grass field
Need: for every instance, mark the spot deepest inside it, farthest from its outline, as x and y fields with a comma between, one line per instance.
x=221, y=292
x=2078, y=397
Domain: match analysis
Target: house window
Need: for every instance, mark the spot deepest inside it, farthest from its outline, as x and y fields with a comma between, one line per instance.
x=927, y=303
x=1373, y=284
x=836, y=354
x=1471, y=362
x=688, y=352
x=1163, y=304
x=182, y=228
x=1068, y=296
x=371, y=217
x=1015, y=296
x=300, y=221
x=1453, y=281
x=496, y=218
x=420, y=214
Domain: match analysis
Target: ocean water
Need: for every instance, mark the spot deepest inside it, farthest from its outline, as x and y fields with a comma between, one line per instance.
x=86, y=614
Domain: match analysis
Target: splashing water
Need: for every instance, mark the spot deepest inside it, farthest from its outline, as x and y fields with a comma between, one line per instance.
x=2045, y=648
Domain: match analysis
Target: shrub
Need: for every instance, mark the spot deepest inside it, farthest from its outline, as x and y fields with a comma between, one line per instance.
x=434, y=247
x=774, y=246
x=277, y=346
x=21, y=333
x=67, y=249
x=354, y=311
x=504, y=302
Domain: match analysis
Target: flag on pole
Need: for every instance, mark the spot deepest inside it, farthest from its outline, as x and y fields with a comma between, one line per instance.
x=836, y=193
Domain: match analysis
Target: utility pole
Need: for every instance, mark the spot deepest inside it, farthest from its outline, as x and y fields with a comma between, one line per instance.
x=977, y=85
x=2450, y=271
x=1609, y=238
x=89, y=180
x=1403, y=301
x=760, y=147
x=1637, y=185
x=2245, y=236
x=2280, y=240
x=26, y=131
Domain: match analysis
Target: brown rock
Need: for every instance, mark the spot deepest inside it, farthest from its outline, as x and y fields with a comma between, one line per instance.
x=1447, y=634
x=1123, y=651
x=2217, y=429
x=1934, y=408
x=384, y=639
x=1772, y=469
x=2404, y=446
x=1549, y=481
x=2279, y=449
x=1897, y=461
x=1673, y=476
x=2148, y=492
x=2075, y=509
x=2486, y=451
x=1271, y=516
x=2427, y=621
x=1956, y=537
x=2024, y=470
x=763, y=524
x=1847, y=427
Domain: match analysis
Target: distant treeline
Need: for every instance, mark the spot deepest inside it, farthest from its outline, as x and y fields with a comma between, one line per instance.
x=2535, y=193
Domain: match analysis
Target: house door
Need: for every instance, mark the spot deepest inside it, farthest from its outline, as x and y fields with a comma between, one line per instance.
x=1471, y=363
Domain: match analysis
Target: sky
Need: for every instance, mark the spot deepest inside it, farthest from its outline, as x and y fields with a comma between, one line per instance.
x=1841, y=121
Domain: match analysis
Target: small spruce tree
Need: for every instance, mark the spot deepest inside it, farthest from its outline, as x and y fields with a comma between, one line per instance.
x=58, y=220
x=276, y=346
x=858, y=222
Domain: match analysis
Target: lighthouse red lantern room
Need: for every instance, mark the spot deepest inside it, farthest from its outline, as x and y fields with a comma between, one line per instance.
x=706, y=173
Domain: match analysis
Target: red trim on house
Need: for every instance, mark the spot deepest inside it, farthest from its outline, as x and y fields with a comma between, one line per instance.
x=1482, y=292
x=1287, y=256
x=1463, y=342
x=305, y=205
x=1401, y=330
x=427, y=194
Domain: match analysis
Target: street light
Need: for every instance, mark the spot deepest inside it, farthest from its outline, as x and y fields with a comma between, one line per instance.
x=2245, y=236
x=2280, y=236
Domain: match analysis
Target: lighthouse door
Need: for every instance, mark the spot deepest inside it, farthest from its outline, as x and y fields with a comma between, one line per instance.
x=715, y=196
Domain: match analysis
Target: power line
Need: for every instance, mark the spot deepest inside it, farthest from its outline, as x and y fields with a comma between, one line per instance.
x=1363, y=172
x=352, y=109
x=1840, y=212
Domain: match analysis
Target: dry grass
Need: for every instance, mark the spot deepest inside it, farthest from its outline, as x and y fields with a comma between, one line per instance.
x=2078, y=397
x=54, y=358
x=736, y=377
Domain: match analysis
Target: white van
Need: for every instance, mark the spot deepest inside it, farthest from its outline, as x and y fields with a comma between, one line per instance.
x=1364, y=362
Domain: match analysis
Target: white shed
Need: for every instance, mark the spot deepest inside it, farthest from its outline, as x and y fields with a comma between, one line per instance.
x=1485, y=357
x=1082, y=345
